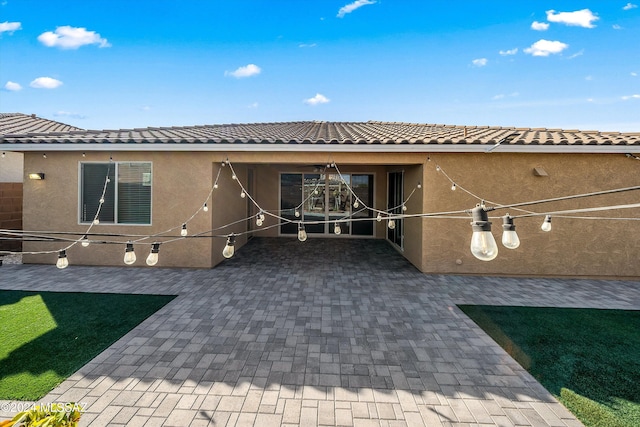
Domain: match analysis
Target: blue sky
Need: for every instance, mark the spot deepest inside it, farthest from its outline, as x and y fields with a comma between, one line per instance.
x=122, y=64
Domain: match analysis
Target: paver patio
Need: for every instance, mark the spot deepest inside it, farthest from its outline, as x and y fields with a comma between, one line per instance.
x=326, y=332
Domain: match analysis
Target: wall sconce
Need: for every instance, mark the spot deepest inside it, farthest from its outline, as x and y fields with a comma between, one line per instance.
x=39, y=175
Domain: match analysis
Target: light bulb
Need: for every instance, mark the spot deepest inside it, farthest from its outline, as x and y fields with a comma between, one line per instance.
x=483, y=245
x=129, y=254
x=391, y=224
x=205, y=208
x=356, y=204
x=3, y=154
x=224, y=163
x=453, y=187
x=302, y=233
x=215, y=186
x=234, y=177
x=337, y=229
x=379, y=217
x=101, y=200
x=62, y=262
x=85, y=241
x=297, y=213
x=184, y=232
x=260, y=219
x=315, y=192
x=96, y=221
x=152, y=259
x=510, y=239
x=242, y=194
x=419, y=186
x=229, y=249
x=546, y=225
x=437, y=168
x=404, y=208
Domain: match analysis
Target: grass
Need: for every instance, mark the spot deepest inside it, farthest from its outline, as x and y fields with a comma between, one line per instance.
x=588, y=359
x=47, y=336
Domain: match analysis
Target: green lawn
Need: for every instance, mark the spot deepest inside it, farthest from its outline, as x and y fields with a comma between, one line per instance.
x=47, y=336
x=589, y=359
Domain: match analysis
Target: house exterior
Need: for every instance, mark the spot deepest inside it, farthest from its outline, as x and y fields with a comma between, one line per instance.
x=217, y=179
x=11, y=170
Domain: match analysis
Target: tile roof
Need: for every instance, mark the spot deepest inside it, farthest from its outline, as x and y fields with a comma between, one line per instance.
x=334, y=133
x=18, y=123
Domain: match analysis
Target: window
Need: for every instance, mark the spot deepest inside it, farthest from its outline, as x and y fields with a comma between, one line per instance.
x=127, y=198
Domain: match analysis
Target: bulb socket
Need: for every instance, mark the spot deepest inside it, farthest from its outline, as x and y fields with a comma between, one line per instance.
x=480, y=219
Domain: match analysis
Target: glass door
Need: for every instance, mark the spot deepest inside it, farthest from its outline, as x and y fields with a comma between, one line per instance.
x=324, y=200
x=395, y=200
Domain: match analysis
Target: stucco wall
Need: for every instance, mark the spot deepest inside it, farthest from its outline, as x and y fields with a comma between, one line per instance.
x=11, y=167
x=574, y=247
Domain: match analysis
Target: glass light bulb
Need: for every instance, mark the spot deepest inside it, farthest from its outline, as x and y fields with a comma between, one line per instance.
x=379, y=218
x=419, y=186
x=302, y=233
x=261, y=216
x=205, y=208
x=85, y=242
x=242, y=194
x=297, y=214
x=315, y=192
x=391, y=224
x=438, y=168
x=404, y=208
x=259, y=222
x=234, y=176
x=337, y=229
x=62, y=262
x=483, y=245
x=184, y=232
x=546, y=225
x=510, y=239
x=215, y=186
x=356, y=204
x=129, y=255
x=152, y=259
x=453, y=187
x=228, y=251
x=96, y=221
x=101, y=201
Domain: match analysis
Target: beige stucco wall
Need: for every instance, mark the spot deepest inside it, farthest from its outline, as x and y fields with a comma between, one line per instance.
x=11, y=167
x=182, y=181
x=574, y=247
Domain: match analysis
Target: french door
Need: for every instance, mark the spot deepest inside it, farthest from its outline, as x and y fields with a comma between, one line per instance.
x=322, y=201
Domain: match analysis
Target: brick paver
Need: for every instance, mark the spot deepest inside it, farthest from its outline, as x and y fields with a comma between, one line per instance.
x=326, y=332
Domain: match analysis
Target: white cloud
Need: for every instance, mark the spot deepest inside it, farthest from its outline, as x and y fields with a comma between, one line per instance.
x=67, y=37
x=616, y=27
x=634, y=74
x=502, y=96
x=575, y=55
x=480, y=62
x=9, y=27
x=307, y=45
x=635, y=96
x=318, y=99
x=45, y=83
x=579, y=18
x=353, y=6
x=630, y=6
x=69, y=114
x=539, y=26
x=546, y=47
x=497, y=97
x=12, y=86
x=246, y=71
x=509, y=52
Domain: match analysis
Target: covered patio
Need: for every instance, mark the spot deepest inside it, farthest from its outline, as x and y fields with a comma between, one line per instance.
x=329, y=332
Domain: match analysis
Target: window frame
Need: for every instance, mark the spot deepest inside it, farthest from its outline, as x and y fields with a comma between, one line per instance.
x=116, y=164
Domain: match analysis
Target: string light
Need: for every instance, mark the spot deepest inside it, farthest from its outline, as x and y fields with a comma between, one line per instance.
x=453, y=187
x=229, y=249
x=242, y=194
x=510, y=239
x=404, y=207
x=3, y=154
x=260, y=219
x=205, y=208
x=302, y=233
x=96, y=221
x=546, y=224
x=336, y=228
x=85, y=241
x=62, y=262
x=356, y=204
x=483, y=245
x=152, y=259
x=297, y=213
x=44, y=155
x=419, y=185
x=129, y=254
x=391, y=224
x=379, y=217
x=184, y=232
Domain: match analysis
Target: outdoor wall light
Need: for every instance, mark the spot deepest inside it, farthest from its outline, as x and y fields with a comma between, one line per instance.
x=510, y=239
x=483, y=245
x=229, y=249
x=37, y=175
